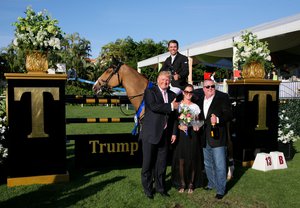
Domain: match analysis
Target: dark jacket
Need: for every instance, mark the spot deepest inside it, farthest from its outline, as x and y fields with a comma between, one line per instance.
x=221, y=107
x=156, y=114
x=180, y=66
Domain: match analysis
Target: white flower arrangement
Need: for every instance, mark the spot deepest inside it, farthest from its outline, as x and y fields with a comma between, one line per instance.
x=37, y=31
x=3, y=131
x=250, y=49
x=285, y=131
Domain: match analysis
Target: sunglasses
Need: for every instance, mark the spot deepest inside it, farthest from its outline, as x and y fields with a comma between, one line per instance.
x=188, y=92
x=210, y=86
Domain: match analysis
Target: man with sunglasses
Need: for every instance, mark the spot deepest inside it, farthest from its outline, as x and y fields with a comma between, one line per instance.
x=215, y=110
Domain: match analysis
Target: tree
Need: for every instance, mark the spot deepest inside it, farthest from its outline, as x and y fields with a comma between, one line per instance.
x=12, y=60
x=130, y=52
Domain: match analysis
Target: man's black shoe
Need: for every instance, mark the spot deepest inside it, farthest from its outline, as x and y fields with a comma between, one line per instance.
x=219, y=196
x=164, y=194
x=150, y=196
x=206, y=188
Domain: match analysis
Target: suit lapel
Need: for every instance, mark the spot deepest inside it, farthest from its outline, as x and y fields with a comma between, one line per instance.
x=169, y=96
x=212, y=105
x=169, y=60
x=159, y=94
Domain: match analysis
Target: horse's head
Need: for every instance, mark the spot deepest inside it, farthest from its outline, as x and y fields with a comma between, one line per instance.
x=109, y=79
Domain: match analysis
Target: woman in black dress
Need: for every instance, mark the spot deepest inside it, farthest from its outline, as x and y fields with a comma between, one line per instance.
x=187, y=158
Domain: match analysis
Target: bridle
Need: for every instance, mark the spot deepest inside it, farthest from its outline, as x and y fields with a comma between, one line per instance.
x=115, y=70
x=105, y=87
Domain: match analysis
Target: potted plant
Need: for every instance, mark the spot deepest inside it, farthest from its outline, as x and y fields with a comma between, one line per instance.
x=37, y=34
x=252, y=55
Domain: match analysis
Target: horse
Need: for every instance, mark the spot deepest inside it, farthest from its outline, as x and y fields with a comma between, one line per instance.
x=133, y=82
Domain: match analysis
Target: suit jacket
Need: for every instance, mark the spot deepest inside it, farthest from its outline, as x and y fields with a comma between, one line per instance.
x=180, y=66
x=221, y=107
x=157, y=113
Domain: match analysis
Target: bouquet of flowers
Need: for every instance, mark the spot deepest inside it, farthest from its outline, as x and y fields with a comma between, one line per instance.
x=37, y=31
x=250, y=49
x=186, y=116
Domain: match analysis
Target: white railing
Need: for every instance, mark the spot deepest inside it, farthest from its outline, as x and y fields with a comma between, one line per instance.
x=287, y=89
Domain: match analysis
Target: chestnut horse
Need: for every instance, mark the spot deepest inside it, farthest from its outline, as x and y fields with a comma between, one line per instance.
x=122, y=74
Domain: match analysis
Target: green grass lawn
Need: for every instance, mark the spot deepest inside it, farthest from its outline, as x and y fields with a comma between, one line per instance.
x=88, y=111
x=122, y=187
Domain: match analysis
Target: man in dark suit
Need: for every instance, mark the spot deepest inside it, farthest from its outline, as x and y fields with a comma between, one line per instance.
x=156, y=131
x=178, y=65
x=215, y=110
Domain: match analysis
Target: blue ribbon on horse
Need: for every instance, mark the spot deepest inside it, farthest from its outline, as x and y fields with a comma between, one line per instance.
x=137, y=115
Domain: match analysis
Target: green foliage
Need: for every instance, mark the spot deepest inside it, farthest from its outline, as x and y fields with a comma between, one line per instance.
x=37, y=31
x=82, y=89
x=130, y=52
x=222, y=73
x=2, y=107
x=200, y=69
x=292, y=111
x=150, y=73
x=250, y=49
x=198, y=72
x=12, y=60
x=3, y=131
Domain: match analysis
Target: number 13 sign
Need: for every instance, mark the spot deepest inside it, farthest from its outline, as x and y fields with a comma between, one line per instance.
x=272, y=161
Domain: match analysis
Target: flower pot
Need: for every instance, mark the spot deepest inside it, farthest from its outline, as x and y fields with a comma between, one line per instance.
x=3, y=173
x=37, y=62
x=286, y=149
x=253, y=70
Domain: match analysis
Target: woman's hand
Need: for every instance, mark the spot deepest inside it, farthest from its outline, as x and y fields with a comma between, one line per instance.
x=173, y=139
x=196, y=128
x=183, y=127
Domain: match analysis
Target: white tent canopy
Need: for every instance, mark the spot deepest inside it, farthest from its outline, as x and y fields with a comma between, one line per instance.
x=281, y=35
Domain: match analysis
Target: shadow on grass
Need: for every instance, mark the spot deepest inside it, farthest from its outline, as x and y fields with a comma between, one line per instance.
x=62, y=195
x=238, y=173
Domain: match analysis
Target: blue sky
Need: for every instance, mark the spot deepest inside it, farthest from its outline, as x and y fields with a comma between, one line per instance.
x=188, y=21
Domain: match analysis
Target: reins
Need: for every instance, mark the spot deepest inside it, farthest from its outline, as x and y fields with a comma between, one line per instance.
x=115, y=71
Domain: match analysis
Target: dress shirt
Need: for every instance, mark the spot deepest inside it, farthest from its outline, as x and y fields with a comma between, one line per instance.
x=206, y=105
x=166, y=100
x=173, y=58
